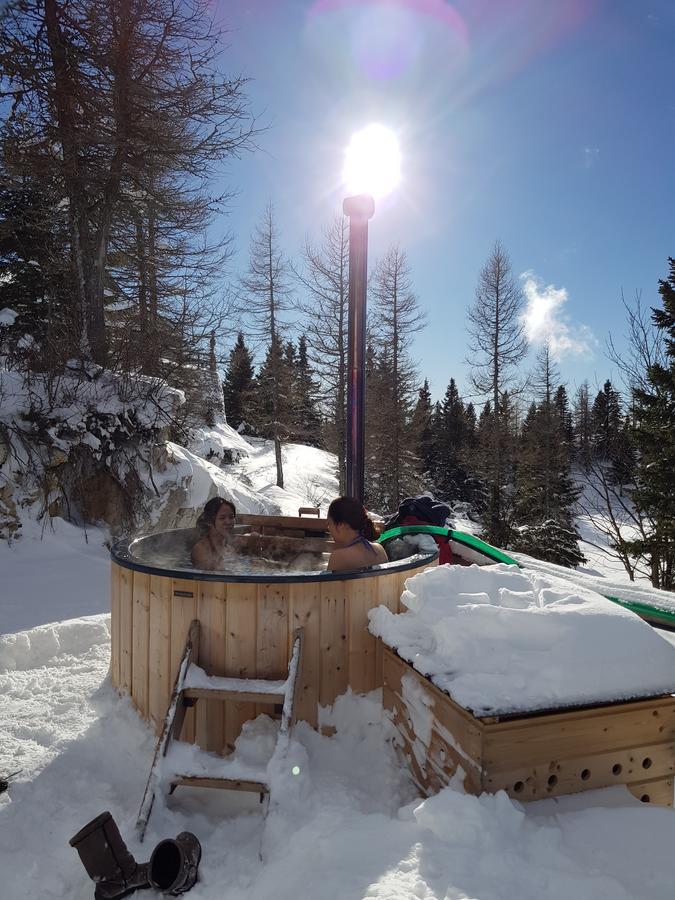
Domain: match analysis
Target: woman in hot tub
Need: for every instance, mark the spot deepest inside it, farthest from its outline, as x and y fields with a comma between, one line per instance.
x=354, y=534
x=215, y=526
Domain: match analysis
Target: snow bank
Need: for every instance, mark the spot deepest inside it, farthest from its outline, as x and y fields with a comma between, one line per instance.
x=346, y=827
x=502, y=640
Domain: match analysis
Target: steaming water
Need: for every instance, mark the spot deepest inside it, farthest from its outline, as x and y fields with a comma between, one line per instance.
x=172, y=551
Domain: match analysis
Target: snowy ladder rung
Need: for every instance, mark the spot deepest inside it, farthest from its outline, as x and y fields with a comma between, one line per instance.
x=227, y=784
x=199, y=685
x=193, y=684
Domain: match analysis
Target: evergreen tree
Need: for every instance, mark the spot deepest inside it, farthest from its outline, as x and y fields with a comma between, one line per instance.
x=124, y=106
x=451, y=443
x=306, y=415
x=583, y=438
x=264, y=295
x=238, y=383
x=498, y=345
x=545, y=492
x=422, y=427
x=606, y=422
x=397, y=314
x=324, y=277
x=654, y=431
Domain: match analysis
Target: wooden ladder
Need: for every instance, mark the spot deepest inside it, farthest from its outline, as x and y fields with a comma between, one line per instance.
x=176, y=763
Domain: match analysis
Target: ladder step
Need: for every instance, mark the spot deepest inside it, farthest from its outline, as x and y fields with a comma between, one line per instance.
x=199, y=685
x=187, y=761
x=228, y=784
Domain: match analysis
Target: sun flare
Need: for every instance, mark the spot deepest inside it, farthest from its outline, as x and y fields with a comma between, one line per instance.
x=372, y=162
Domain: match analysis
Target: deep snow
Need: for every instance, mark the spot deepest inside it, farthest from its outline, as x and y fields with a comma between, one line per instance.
x=348, y=826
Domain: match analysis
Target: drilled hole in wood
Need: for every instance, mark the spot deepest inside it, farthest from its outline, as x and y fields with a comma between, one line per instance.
x=646, y=763
x=518, y=786
x=586, y=774
x=617, y=769
x=644, y=798
x=552, y=780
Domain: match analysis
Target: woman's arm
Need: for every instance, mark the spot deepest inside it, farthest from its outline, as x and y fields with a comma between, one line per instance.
x=201, y=556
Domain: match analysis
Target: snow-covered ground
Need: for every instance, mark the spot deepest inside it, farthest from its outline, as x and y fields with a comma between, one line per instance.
x=348, y=826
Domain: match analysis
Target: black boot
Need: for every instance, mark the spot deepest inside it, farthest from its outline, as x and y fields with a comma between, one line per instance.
x=173, y=865
x=107, y=860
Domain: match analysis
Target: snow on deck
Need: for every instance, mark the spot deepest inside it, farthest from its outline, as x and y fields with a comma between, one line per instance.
x=501, y=640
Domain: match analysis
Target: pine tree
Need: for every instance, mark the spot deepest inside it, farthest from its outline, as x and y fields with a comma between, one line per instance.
x=606, y=422
x=654, y=430
x=238, y=383
x=124, y=106
x=397, y=316
x=422, y=428
x=497, y=345
x=306, y=416
x=545, y=492
x=583, y=438
x=451, y=445
x=264, y=294
x=324, y=277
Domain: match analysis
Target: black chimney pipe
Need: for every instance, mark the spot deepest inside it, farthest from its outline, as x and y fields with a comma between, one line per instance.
x=358, y=209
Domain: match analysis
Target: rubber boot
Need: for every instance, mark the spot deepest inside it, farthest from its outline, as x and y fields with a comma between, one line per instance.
x=107, y=860
x=173, y=865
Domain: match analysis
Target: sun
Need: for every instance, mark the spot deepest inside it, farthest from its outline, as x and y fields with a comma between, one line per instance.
x=372, y=162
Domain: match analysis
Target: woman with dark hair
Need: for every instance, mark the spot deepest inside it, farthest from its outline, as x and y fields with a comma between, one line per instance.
x=215, y=526
x=354, y=533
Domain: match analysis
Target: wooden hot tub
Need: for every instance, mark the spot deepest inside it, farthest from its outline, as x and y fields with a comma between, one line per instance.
x=247, y=622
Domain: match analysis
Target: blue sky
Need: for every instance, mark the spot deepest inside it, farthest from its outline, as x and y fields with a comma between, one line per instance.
x=549, y=124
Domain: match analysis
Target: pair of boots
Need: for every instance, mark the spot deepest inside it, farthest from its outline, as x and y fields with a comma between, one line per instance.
x=172, y=867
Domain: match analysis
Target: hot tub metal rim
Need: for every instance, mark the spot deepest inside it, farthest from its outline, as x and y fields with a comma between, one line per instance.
x=120, y=554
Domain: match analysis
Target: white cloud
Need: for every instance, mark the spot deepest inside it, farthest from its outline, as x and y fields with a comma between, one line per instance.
x=545, y=320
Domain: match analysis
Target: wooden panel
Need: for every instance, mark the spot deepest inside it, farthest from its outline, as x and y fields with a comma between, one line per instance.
x=140, y=640
x=333, y=641
x=272, y=638
x=659, y=792
x=161, y=677
x=115, y=624
x=305, y=606
x=293, y=522
x=554, y=777
x=570, y=735
x=126, y=602
x=211, y=612
x=240, y=648
x=361, y=597
x=183, y=611
x=465, y=730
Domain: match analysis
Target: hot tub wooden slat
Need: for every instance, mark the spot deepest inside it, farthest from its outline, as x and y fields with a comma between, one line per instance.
x=141, y=632
x=273, y=636
x=240, y=650
x=159, y=650
x=305, y=600
x=211, y=612
x=126, y=601
x=115, y=624
x=388, y=593
x=334, y=660
x=361, y=598
x=183, y=611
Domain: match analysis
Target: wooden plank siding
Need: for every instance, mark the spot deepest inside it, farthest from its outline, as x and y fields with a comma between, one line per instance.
x=247, y=631
x=534, y=756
